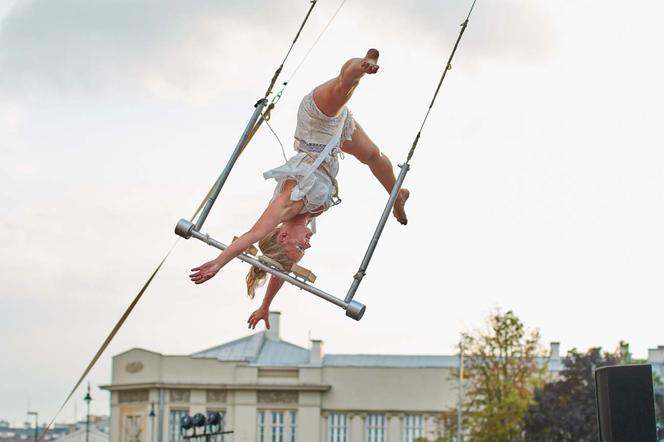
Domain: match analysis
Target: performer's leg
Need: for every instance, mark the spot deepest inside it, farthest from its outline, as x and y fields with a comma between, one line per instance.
x=332, y=96
x=362, y=148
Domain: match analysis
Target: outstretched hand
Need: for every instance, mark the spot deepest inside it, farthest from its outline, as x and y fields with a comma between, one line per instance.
x=204, y=272
x=256, y=316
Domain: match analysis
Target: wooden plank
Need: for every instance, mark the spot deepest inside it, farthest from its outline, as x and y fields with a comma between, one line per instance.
x=303, y=273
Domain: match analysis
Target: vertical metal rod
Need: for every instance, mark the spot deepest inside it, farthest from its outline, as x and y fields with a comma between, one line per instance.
x=379, y=229
x=160, y=420
x=87, y=399
x=460, y=404
x=227, y=170
x=36, y=415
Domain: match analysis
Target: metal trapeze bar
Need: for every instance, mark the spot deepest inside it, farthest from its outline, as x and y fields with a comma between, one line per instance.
x=354, y=309
x=227, y=170
x=357, y=279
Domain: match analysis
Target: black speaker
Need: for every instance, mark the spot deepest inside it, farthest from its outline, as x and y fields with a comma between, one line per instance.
x=625, y=403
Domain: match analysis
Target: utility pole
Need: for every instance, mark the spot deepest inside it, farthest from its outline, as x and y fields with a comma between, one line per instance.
x=460, y=400
x=36, y=415
x=87, y=399
x=152, y=416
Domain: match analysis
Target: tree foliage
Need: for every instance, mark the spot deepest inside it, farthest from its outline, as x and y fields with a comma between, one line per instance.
x=564, y=409
x=501, y=373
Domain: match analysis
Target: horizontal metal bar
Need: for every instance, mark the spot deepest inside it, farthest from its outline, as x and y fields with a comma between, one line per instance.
x=279, y=274
x=198, y=436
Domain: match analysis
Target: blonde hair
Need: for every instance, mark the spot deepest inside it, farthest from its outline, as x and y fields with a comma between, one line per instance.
x=272, y=249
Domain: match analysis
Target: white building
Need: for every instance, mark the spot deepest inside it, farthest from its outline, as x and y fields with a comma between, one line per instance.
x=272, y=390
x=80, y=435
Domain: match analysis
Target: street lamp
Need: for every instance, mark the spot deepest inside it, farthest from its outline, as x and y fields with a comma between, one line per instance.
x=36, y=415
x=152, y=416
x=87, y=399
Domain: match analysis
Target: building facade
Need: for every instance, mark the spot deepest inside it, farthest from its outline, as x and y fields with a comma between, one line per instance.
x=269, y=390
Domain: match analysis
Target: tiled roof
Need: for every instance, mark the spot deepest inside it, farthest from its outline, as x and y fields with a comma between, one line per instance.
x=258, y=349
x=243, y=349
x=262, y=350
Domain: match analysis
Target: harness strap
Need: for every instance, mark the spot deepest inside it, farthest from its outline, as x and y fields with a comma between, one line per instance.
x=325, y=170
x=334, y=142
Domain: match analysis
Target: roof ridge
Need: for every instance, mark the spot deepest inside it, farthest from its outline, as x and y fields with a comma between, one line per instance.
x=229, y=343
x=391, y=355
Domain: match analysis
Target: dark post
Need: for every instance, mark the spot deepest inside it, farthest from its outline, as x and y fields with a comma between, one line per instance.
x=152, y=416
x=36, y=415
x=87, y=399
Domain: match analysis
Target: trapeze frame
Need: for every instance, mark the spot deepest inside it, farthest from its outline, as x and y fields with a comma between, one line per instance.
x=354, y=309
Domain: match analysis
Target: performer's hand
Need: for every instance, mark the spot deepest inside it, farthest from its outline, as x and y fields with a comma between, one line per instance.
x=256, y=316
x=204, y=272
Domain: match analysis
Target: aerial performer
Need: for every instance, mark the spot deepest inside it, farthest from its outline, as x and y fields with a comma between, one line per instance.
x=306, y=184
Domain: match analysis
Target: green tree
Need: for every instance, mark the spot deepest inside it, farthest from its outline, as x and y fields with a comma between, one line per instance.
x=564, y=409
x=501, y=372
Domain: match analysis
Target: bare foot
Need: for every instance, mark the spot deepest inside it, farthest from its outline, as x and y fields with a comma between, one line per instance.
x=398, y=210
x=373, y=54
x=369, y=66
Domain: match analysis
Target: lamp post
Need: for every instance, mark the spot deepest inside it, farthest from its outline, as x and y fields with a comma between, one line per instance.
x=36, y=415
x=152, y=416
x=460, y=399
x=87, y=399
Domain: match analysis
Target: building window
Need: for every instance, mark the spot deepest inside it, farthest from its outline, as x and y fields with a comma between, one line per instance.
x=375, y=428
x=276, y=426
x=413, y=427
x=337, y=428
x=174, y=434
x=291, y=426
x=218, y=437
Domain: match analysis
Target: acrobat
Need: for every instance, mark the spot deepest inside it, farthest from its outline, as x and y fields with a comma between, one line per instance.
x=306, y=183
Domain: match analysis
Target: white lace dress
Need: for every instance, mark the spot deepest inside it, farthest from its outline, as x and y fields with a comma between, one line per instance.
x=318, y=188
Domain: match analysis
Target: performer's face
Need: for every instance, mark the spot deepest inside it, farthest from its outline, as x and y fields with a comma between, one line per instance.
x=295, y=240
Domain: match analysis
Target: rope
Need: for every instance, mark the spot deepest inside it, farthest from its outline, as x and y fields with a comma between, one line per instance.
x=448, y=66
x=341, y=5
x=119, y=324
x=281, y=66
x=138, y=296
x=268, y=112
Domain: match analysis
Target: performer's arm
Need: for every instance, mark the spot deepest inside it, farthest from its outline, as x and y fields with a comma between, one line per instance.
x=263, y=312
x=279, y=210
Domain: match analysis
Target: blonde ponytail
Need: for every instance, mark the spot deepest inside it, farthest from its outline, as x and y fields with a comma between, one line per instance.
x=255, y=278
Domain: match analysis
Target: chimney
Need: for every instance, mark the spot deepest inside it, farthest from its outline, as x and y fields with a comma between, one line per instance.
x=554, y=350
x=656, y=355
x=316, y=352
x=624, y=351
x=273, y=332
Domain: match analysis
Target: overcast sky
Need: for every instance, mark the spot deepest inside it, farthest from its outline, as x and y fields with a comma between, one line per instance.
x=537, y=185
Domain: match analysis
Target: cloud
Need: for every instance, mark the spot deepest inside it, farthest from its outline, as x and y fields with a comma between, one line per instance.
x=506, y=30
x=197, y=50
x=12, y=115
x=166, y=47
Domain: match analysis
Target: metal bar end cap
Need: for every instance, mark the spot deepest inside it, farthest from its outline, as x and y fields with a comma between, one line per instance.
x=184, y=228
x=355, y=310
